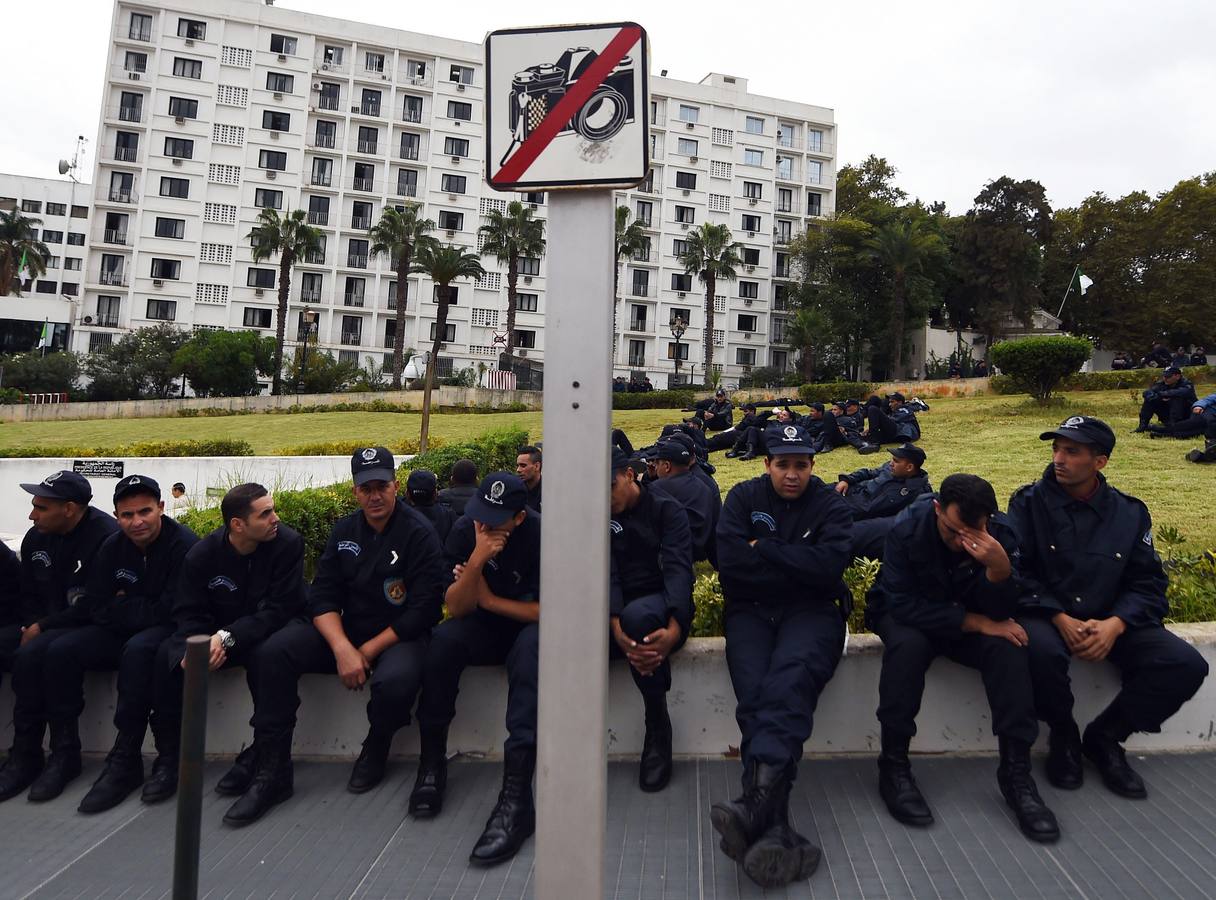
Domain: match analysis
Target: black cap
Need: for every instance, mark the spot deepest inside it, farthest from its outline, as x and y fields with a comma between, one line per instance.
x=422, y=483
x=909, y=452
x=675, y=450
x=1084, y=430
x=136, y=484
x=720, y=392
x=620, y=459
x=372, y=464
x=748, y=405
x=780, y=440
x=1171, y=370
x=694, y=421
x=896, y=396
x=817, y=406
x=62, y=485
x=648, y=454
x=499, y=497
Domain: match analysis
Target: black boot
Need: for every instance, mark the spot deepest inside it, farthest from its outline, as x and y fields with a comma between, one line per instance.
x=63, y=764
x=162, y=783
x=272, y=783
x=369, y=767
x=25, y=759
x=426, y=799
x=514, y=817
x=781, y=855
x=1017, y=785
x=743, y=820
x=237, y=779
x=1064, y=769
x=897, y=786
x=654, y=772
x=123, y=773
x=1103, y=746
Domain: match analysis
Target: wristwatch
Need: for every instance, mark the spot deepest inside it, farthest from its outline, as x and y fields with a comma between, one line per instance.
x=227, y=641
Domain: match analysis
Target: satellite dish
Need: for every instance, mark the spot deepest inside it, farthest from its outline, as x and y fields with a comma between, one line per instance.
x=88, y=320
x=64, y=166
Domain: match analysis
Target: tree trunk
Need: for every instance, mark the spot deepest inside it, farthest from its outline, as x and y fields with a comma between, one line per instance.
x=897, y=329
x=505, y=362
x=280, y=332
x=403, y=271
x=441, y=324
x=710, y=284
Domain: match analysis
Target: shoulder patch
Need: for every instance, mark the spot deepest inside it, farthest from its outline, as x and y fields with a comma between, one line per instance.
x=1148, y=537
x=126, y=575
x=765, y=519
x=222, y=581
x=616, y=526
x=1019, y=491
x=41, y=556
x=349, y=547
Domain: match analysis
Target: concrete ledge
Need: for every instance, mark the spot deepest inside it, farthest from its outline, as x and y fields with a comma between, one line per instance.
x=954, y=716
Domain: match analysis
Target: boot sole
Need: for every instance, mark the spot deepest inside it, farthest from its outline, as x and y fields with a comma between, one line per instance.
x=363, y=788
x=1062, y=784
x=241, y=823
x=153, y=799
x=772, y=867
x=92, y=810
x=734, y=839
x=485, y=862
x=914, y=821
x=233, y=791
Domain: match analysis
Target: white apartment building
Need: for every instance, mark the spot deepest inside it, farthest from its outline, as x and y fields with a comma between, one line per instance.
x=210, y=116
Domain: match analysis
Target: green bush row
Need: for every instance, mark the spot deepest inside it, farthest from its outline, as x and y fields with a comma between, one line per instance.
x=402, y=447
x=1109, y=381
x=835, y=390
x=653, y=399
x=213, y=447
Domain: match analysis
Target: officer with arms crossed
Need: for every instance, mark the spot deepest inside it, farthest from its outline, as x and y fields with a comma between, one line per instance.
x=1169, y=399
x=948, y=587
x=650, y=602
x=783, y=545
x=57, y=556
x=240, y=584
x=1095, y=589
x=876, y=496
x=494, y=604
x=377, y=593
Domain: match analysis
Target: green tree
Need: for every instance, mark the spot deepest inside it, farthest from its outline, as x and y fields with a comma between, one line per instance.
x=157, y=347
x=321, y=373
x=508, y=236
x=291, y=238
x=442, y=265
x=868, y=187
x=629, y=238
x=114, y=371
x=226, y=363
x=34, y=373
x=711, y=255
x=805, y=331
x=1037, y=364
x=398, y=235
x=19, y=241
x=903, y=248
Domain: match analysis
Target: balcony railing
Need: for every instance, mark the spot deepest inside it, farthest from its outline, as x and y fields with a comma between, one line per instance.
x=114, y=277
x=413, y=116
x=637, y=362
x=125, y=154
x=369, y=109
x=322, y=180
x=407, y=189
x=316, y=259
x=130, y=113
x=107, y=321
x=310, y=296
x=330, y=103
x=356, y=260
x=326, y=141
x=363, y=223
x=318, y=218
x=120, y=195
x=645, y=256
x=352, y=298
x=638, y=325
x=114, y=236
x=351, y=338
x=367, y=146
x=641, y=290
x=408, y=151
x=363, y=184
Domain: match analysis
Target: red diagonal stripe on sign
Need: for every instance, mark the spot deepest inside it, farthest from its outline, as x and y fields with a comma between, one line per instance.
x=575, y=97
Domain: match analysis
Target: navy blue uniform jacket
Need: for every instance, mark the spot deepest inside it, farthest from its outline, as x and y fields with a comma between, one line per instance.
x=55, y=568
x=651, y=547
x=514, y=574
x=874, y=493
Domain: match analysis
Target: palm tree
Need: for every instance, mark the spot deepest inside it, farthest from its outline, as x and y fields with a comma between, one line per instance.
x=443, y=265
x=400, y=234
x=711, y=254
x=18, y=242
x=902, y=247
x=806, y=331
x=508, y=236
x=292, y=238
x=630, y=238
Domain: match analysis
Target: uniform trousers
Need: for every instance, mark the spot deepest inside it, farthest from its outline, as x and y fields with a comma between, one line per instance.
x=169, y=681
x=883, y=429
x=642, y=616
x=1168, y=409
x=10, y=640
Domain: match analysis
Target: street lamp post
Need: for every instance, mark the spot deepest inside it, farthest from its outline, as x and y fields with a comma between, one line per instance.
x=309, y=318
x=677, y=331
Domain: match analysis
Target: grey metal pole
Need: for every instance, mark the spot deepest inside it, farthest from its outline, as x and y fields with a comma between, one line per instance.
x=190, y=769
x=572, y=769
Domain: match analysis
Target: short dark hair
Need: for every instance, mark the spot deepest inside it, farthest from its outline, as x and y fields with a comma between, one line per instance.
x=238, y=502
x=178, y=486
x=464, y=471
x=532, y=452
x=973, y=495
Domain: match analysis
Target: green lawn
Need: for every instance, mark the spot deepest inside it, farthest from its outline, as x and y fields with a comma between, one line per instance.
x=996, y=437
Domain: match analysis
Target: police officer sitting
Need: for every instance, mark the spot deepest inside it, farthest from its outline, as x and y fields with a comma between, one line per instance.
x=876, y=496
x=1205, y=407
x=650, y=602
x=894, y=427
x=1169, y=399
x=57, y=556
x=674, y=466
x=10, y=606
x=1095, y=589
x=948, y=587
x=1202, y=413
x=783, y=545
x=735, y=437
x=239, y=585
x=842, y=425
x=751, y=438
x=527, y=467
x=377, y=592
x=1199, y=357
x=494, y=609
x=463, y=486
x=420, y=489
x=715, y=414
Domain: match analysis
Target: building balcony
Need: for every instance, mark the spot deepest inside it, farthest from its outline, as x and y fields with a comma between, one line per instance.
x=363, y=184
x=310, y=296
x=114, y=278
x=318, y=218
x=315, y=259
x=362, y=223
x=367, y=109
x=356, y=260
x=328, y=103
x=106, y=322
x=640, y=325
x=352, y=299
x=411, y=117
x=114, y=236
x=324, y=141
x=642, y=290
x=369, y=147
x=126, y=154
x=351, y=338
x=140, y=34
x=130, y=114
x=407, y=189
x=321, y=180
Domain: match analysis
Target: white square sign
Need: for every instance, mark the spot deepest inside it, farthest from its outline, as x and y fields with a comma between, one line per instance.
x=567, y=107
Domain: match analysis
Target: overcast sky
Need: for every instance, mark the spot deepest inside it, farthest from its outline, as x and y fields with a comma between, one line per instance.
x=1084, y=97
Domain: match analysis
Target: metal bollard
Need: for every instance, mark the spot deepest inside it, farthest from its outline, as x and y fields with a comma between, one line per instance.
x=190, y=769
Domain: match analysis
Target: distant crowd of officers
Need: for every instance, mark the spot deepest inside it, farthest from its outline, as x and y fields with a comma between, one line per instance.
x=1159, y=356
x=1179, y=413
x=1070, y=571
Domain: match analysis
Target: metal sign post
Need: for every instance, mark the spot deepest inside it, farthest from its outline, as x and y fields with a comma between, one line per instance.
x=567, y=110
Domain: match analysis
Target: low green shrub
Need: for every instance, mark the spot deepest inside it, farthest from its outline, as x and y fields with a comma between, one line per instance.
x=1038, y=365
x=493, y=451
x=1192, y=590
x=212, y=447
x=653, y=399
x=1137, y=379
x=403, y=447
x=835, y=390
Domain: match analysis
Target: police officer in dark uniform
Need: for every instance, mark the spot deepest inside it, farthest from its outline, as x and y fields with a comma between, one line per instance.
x=876, y=496
x=494, y=604
x=239, y=585
x=733, y=439
x=701, y=503
x=123, y=617
x=420, y=490
x=783, y=545
x=1169, y=399
x=528, y=468
x=1205, y=408
x=1095, y=589
x=715, y=414
x=463, y=486
x=948, y=587
x=10, y=606
x=751, y=442
x=1199, y=357
x=1202, y=415
x=650, y=602
x=842, y=426
x=57, y=555
x=898, y=426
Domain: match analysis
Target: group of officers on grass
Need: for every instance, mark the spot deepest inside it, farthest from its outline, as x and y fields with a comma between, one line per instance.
x=1069, y=571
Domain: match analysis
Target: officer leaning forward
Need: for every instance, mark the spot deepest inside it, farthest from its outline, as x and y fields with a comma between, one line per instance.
x=494, y=604
x=57, y=555
x=1096, y=590
x=949, y=587
x=650, y=602
x=783, y=545
x=239, y=585
x=678, y=479
x=876, y=496
x=377, y=592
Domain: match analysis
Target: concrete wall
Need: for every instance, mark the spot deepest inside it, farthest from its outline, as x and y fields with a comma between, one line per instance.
x=954, y=716
x=144, y=409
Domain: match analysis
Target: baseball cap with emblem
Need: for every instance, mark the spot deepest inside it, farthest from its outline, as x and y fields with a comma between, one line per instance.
x=674, y=450
x=372, y=464
x=620, y=459
x=910, y=452
x=62, y=485
x=500, y=496
x=136, y=484
x=1084, y=430
x=780, y=440
x=421, y=483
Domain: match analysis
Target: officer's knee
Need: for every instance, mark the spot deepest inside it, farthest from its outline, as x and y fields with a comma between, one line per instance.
x=639, y=620
x=1192, y=671
x=523, y=660
x=906, y=646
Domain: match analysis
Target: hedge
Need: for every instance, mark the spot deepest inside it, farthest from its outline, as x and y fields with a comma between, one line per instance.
x=835, y=390
x=213, y=447
x=403, y=447
x=1110, y=381
x=1038, y=365
x=653, y=399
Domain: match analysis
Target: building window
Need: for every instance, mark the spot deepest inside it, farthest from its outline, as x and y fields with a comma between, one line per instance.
x=745, y=356
x=415, y=70
x=455, y=146
x=75, y=239
x=170, y=228
x=753, y=190
x=814, y=171
x=686, y=180
x=326, y=134
x=814, y=204
x=637, y=354
x=361, y=215
x=641, y=283
x=461, y=75
x=679, y=248
x=373, y=62
x=751, y=257
x=44, y=287
x=407, y=183
x=685, y=214
x=56, y=209
x=52, y=237
x=449, y=332
x=166, y=269
x=525, y=339
x=753, y=125
x=107, y=311
x=369, y=139
x=276, y=121
x=643, y=211
x=785, y=200
x=677, y=351
x=181, y=108
x=365, y=177
x=135, y=62
x=272, y=159
x=192, y=29
x=451, y=221
x=753, y=157
x=72, y=264
x=141, y=27
x=785, y=135
x=751, y=223
x=165, y=310
x=453, y=184
x=681, y=282
x=370, y=104
x=749, y=290
x=785, y=231
x=814, y=141
x=747, y=323
x=354, y=291
x=31, y=206
x=356, y=253
x=527, y=302
x=260, y=278
x=529, y=265
x=453, y=294
x=286, y=46
x=322, y=171
x=409, y=145
x=175, y=187
x=330, y=95
x=458, y=110
x=264, y=198
x=785, y=167
x=536, y=198
x=179, y=148
x=256, y=318
x=412, y=109
x=280, y=83
x=689, y=113
x=686, y=146
x=187, y=68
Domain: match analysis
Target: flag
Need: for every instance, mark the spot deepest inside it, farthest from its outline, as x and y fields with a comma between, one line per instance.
x=44, y=340
x=17, y=274
x=1081, y=281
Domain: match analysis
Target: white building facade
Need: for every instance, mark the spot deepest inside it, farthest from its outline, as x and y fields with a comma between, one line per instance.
x=207, y=118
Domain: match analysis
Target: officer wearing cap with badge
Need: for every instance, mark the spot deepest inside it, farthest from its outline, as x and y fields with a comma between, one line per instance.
x=674, y=459
x=783, y=546
x=57, y=555
x=876, y=496
x=650, y=602
x=1169, y=399
x=1095, y=589
x=377, y=592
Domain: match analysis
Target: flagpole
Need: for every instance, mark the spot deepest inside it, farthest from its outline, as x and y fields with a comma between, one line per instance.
x=1068, y=290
